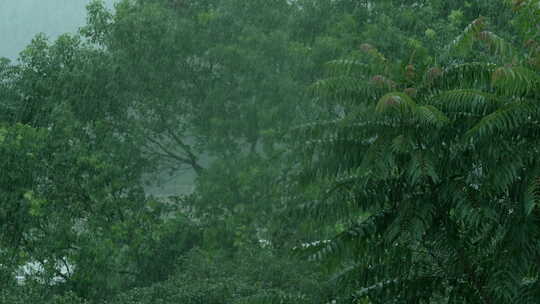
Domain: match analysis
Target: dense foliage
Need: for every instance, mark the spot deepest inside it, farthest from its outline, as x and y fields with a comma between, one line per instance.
x=342, y=152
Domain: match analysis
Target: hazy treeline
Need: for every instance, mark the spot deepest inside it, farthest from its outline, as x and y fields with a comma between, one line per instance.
x=343, y=152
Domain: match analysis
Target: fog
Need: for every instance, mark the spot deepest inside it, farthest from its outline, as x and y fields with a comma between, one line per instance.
x=269, y=151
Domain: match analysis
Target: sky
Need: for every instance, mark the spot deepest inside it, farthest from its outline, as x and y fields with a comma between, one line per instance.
x=21, y=20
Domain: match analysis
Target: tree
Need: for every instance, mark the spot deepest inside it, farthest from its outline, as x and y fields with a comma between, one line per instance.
x=72, y=201
x=431, y=167
x=83, y=123
x=258, y=275
x=204, y=81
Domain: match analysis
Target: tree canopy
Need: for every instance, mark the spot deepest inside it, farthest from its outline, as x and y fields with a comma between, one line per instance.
x=341, y=151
